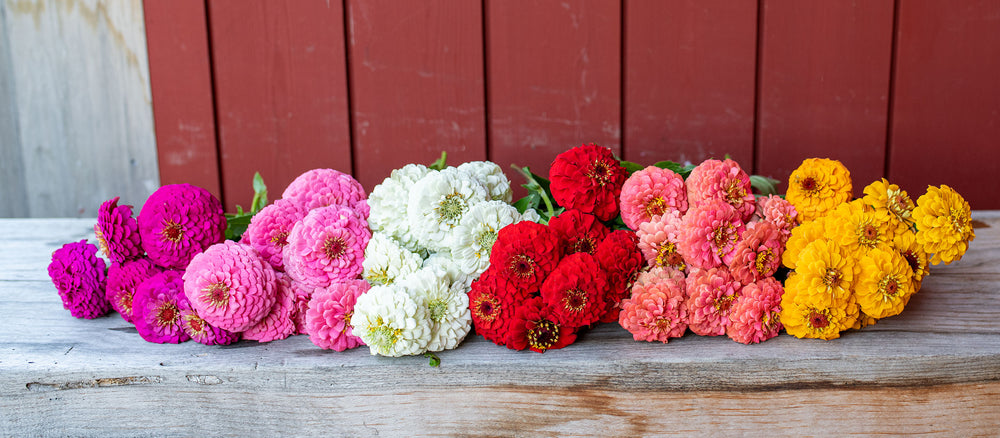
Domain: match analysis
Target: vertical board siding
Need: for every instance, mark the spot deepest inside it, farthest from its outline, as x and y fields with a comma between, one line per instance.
x=554, y=79
x=181, y=83
x=946, y=114
x=690, y=70
x=416, y=84
x=281, y=91
x=824, y=85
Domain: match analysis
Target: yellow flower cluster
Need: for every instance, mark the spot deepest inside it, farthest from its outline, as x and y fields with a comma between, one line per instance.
x=857, y=261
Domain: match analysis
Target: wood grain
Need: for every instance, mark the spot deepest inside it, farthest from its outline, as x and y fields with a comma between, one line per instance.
x=933, y=369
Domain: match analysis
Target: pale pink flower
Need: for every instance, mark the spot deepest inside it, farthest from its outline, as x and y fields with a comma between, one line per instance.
x=754, y=316
x=650, y=193
x=721, y=180
x=322, y=187
x=659, y=241
x=655, y=311
x=780, y=212
x=709, y=234
x=711, y=293
x=328, y=320
x=327, y=245
x=758, y=254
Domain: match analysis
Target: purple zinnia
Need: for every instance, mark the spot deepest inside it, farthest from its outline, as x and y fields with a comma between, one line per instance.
x=179, y=221
x=123, y=279
x=78, y=276
x=278, y=323
x=117, y=232
x=230, y=286
x=204, y=333
x=157, y=307
x=269, y=229
x=322, y=187
x=327, y=245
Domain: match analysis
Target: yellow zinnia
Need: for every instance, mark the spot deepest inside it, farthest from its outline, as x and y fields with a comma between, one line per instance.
x=807, y=318
x=817, y=187
x=890, y=198
x=863, y=321
x=802, y=236
x=907, y=246
x=944, y=224
x=862, y=229
x=827, y=271
x=885, y=283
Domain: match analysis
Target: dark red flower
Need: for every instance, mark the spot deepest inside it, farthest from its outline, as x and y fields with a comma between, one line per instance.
x=579, y=231
x=621, y=259
x=575, y=290
x=588, y=178
x=492, y=301
x=525, y=253
x=534, y=327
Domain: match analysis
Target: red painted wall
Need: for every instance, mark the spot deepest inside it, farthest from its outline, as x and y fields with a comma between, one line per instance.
x=905, y=89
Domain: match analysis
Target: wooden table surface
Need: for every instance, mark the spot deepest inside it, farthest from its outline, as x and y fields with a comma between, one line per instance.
x=933, y=369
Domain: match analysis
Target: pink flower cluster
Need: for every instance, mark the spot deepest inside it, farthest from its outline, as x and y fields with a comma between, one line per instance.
x=712, y=249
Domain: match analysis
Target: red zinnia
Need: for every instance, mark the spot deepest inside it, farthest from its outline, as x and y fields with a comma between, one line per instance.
x=588, y=178
x=579, y=231
x=534, y=326
x=525, y=253
x=492, y=301
x=621, y=260
x=575, y=290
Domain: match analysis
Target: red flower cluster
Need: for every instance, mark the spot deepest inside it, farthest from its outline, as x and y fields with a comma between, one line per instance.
x=546, y=282
x=588, y=178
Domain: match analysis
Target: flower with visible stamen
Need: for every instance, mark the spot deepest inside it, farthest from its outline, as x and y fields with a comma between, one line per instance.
x=123, y=279
x=117, y=232
x=157, y=307
x=328, y=318
x=709, y=234
x=588, y=178
x=656, y=311
x=391, y=322
x=230, y=286
x=327, y=245
x=269, y=229
x=179, y=221
x=579, y=231
x=651, y=192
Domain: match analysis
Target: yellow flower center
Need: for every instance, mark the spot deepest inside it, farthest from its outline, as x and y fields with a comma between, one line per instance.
x=334, y=247
x=667, y=255
x=722, y=237
x=172, y=232
x=543, y=335
x=832, y=278
x=522, y=266
x=764, y=259
x=734, y=192
x=899, y=204
x=574, y=300
x=600, y=172
x=655, y=207
x=216, y=294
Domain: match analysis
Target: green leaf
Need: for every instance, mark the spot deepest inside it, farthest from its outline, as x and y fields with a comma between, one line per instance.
x=434, y=360
x=764, y=185
x=676, y=167
x=441, y=163
x=539, y=186
x=631, y=167
x=616, y=223
x=259, y=193
x=528, y=202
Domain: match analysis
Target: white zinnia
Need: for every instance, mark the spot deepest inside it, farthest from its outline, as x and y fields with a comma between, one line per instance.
x=473, y=238
x=530, y=215
x=444, y=260
x=447, y=306
x=438, y=202
x=386, y=260
x=388, y=202
x=391, y=322
x=492, y=177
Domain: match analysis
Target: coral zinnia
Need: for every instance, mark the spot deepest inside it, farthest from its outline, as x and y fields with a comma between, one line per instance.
x=328, y=320
x=117, y=232
x=157, y=307
x=327, y=245
x=525, y=253
x=535, y=327
x=656, y=311
x=758, y=253
x=659, y=241
x=779, y=212
x=123, y=279
x=818, y=186
x=230, y=286
x=322, y=187
x=721, y=180
x=652, y=192
x=269, y=229
x=944, y=224
x=709, y=234
x=179, y=221
x=588, y=178
x=579, y=231
x=78, y=276
x=575, y=290
x=621, y=260
x=755, y=316
x=711, y=293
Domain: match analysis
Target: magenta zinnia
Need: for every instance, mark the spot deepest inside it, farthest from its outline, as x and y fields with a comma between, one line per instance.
x=157, y=308
x=123, y=279
x=78, y=276
x=179, y=221
x=117, y=232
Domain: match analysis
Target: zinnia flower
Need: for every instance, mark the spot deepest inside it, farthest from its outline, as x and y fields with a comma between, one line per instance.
x=802, y=236
x=780, y=213
x=473, y=239
x=387, y=261
x=709, y=234
x=621, y=260
x=157, y=307
x=491, y=176
x=328, y=320
x=656, y=311
x=117, y=232
x=659, y=241
x=391, y=322
x=758, y=254
x=278, y=323
x=535, y=327
x=204, y=333
x=230, y=286
x=388, y=202
x=828, y=271
x=123, y=279
x=588, y=178
x=525, y=253
x=575, y=290
x=944, y=224
x=269, y=229
x=883, y=196
x=447, y=306
x=327, y=245
x=812, y=317
x=755, y=315
x=78, y=276
x=818, y=186
x=652, y=192
x=492, y=302
x=323, y=187
x=721, y=180
x=885, y=284
x=579, y=231
x=711, y=293
x=907, y=246
x=861, y=229
x=179, y=221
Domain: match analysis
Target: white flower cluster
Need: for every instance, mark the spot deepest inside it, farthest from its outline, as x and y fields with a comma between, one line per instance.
x=432, y=233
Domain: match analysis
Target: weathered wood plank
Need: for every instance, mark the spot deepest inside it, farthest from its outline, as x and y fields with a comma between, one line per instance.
x=13, y=199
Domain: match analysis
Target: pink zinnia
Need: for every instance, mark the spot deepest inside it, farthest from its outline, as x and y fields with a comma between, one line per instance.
x=123, y=279
x=711, y=293
x=230, y=286
x=650, y=193
x=327, y=245
x=579, y=231
x=709, y=234
x=278, y=323
x=656, y=311
x=758, y=253
x=78, y=276
x=754, y=315
x=328, y=320
x=204, y=333
x=269, y=229
x=157, y=308
x=723, y=181
x=117, y=232
x=659, y=241
x=302, y=295
x=323, y=187
x=179, y=221
x=781, y=213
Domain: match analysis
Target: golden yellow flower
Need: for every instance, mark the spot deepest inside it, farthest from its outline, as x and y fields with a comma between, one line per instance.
x=944, y=224
x=890, y=198
x=802, y=235
x=827, y=271
x=805, y=318
x=818, y=186
x=907, y=246
x=885, y=283
x=863, y=321
x=862, y=229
